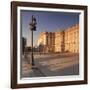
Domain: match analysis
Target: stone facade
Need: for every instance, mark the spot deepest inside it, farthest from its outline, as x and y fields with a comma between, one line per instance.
x=46, y=42
x=60, y=41
x=72, y=39
x=42, y=39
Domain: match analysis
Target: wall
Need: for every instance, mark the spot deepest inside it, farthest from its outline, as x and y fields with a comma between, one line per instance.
x=5, y=45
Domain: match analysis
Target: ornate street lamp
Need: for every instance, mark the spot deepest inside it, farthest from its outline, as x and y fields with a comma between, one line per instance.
x=32, y=28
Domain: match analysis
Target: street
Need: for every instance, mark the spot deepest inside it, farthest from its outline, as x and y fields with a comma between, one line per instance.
x=57, y=64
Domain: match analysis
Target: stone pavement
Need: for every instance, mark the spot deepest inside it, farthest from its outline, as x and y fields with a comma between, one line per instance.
x=57, y=65
x=51, y=65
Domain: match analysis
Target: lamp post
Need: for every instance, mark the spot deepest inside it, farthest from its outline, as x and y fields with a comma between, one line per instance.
x=32, y=28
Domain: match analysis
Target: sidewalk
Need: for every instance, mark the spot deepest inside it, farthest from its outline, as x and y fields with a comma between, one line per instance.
x=27, y=70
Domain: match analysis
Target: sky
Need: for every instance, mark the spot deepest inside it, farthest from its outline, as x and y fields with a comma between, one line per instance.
x=46, y=21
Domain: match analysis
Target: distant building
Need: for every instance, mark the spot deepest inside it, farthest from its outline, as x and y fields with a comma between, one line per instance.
x=60, y=41
x=23, y=44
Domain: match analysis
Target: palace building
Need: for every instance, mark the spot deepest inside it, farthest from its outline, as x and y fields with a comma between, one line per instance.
x=60, y=41
x=46, y=42
x=72, y=39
